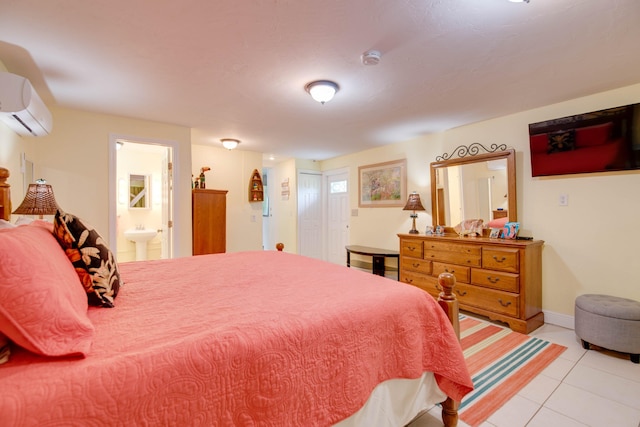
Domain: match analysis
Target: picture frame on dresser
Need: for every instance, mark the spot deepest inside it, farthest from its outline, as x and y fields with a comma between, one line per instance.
x=383, y=184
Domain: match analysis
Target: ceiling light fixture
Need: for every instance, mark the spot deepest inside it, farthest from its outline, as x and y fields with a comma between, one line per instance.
x=322, y=90
x=519, y=1
x=229, y=143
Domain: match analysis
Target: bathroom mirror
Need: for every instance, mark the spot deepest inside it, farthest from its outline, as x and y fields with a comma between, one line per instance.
x=480, y=186
x=138, y=191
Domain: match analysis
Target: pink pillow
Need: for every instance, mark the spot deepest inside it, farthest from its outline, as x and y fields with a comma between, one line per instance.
x=497, y=223
x=43, y=306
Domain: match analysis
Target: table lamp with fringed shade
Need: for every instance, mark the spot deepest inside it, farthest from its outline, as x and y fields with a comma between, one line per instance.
x=413, y=204
x=39, y=200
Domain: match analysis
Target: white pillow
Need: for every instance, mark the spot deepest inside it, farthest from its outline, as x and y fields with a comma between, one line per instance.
x=6, y=224
x=23, y=220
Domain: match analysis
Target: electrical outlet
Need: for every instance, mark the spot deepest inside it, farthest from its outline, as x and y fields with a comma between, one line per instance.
x=563, y=200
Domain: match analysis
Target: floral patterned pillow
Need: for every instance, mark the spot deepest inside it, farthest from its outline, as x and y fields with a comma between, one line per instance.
x=90, y=256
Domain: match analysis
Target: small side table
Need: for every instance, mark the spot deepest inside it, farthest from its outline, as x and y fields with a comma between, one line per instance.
x=378, y=257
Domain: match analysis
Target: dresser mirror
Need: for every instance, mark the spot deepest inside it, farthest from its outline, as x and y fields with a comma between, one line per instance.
x=473, y=186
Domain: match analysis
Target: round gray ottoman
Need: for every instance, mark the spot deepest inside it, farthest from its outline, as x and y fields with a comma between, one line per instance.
x=609, y=322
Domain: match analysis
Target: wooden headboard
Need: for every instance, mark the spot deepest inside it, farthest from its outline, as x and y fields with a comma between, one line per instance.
x=5, y=195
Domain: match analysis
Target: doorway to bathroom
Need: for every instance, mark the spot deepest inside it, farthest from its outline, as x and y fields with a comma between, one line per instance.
x=141, y=198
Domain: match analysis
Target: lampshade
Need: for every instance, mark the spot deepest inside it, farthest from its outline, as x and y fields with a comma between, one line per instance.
x=229, y=143
x=39, y=200
x=322, y=90
x=413, y=203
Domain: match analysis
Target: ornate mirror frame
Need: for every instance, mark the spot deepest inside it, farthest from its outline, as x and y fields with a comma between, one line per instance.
x=469, y=155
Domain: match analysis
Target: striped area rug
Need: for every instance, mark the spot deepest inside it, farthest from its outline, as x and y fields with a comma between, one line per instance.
x=501, y=362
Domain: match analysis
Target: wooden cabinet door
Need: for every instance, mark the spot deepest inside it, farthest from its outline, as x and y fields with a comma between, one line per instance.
x=209, y=221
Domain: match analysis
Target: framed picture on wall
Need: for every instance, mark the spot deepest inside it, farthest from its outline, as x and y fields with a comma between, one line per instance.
x=383, y=184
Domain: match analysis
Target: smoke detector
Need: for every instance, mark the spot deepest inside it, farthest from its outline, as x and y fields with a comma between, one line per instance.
x=371, y=57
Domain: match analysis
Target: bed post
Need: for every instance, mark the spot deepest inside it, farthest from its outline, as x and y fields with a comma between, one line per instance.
x=447, y=300
x=279, y=247
x=5, y=195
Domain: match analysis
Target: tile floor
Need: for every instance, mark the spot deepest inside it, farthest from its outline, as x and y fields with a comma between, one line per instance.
x=580, y=388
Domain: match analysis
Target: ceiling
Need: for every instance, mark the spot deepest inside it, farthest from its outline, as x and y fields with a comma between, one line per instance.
x=237, y=68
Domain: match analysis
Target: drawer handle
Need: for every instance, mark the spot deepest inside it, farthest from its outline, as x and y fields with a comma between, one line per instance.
x=507, y=304
x=492, y=280
x=499, y=260
x=408, y=280
x=447, y=271
x=411, y=248
x=438, y=287
x=461, y=293
x=415, y=264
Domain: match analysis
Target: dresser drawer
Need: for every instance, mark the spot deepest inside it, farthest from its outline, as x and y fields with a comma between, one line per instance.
x=452, y=247
x=467, y=259
x=461, y=273
x=422, y=281
x=415, y=264
x=493, y=279
x=505, y=259
x=412, y=248
x=488, y=299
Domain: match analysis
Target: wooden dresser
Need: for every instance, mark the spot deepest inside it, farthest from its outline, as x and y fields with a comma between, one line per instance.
x=496, y=278
x=209, y=221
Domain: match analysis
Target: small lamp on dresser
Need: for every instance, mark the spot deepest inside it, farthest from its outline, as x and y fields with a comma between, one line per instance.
x=413, y=204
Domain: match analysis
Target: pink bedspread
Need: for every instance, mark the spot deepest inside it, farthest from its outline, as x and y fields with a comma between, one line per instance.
x=253, y=338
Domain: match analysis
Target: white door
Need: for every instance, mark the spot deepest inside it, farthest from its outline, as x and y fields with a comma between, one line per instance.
x=337, y=217
x=310, y=214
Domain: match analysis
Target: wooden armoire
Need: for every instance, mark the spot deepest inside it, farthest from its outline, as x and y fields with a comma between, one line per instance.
x=209, y=221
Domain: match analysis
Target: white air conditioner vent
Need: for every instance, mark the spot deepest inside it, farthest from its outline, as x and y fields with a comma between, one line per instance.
x=21, y=108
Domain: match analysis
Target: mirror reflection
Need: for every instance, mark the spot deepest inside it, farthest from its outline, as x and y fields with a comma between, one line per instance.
x=476, y=187
x=138, y=191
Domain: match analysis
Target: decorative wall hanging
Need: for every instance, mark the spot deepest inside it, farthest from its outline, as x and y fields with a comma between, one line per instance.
x=382, y=184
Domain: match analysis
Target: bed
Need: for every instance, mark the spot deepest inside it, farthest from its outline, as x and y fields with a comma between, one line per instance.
x=248, y=339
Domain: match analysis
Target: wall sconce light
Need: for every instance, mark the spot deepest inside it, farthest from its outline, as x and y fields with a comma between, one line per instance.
x=39, y=200
x=229, y=143
x=413, y=204
x=322, y=90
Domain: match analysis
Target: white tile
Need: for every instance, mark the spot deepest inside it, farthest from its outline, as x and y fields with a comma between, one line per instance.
x=539, y=389
x=591, y=409
x=559, y=368
x=562, y=336
x=604, y=384
x=548, y=418
x=612, y=362
x=515, y=413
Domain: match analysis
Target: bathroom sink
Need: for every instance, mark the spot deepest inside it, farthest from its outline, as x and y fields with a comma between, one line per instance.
x=140, y=237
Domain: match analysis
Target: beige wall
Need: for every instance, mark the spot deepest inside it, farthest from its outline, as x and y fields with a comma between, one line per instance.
x=590, y=245
x=231, y=170
x=74, y=159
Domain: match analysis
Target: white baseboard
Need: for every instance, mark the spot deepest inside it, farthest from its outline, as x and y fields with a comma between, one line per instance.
x=559, y=319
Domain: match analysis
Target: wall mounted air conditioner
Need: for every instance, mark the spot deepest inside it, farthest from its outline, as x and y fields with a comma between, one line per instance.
x=21, y=108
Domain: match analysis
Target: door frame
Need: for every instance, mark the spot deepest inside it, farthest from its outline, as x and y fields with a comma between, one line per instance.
x=113, y=184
